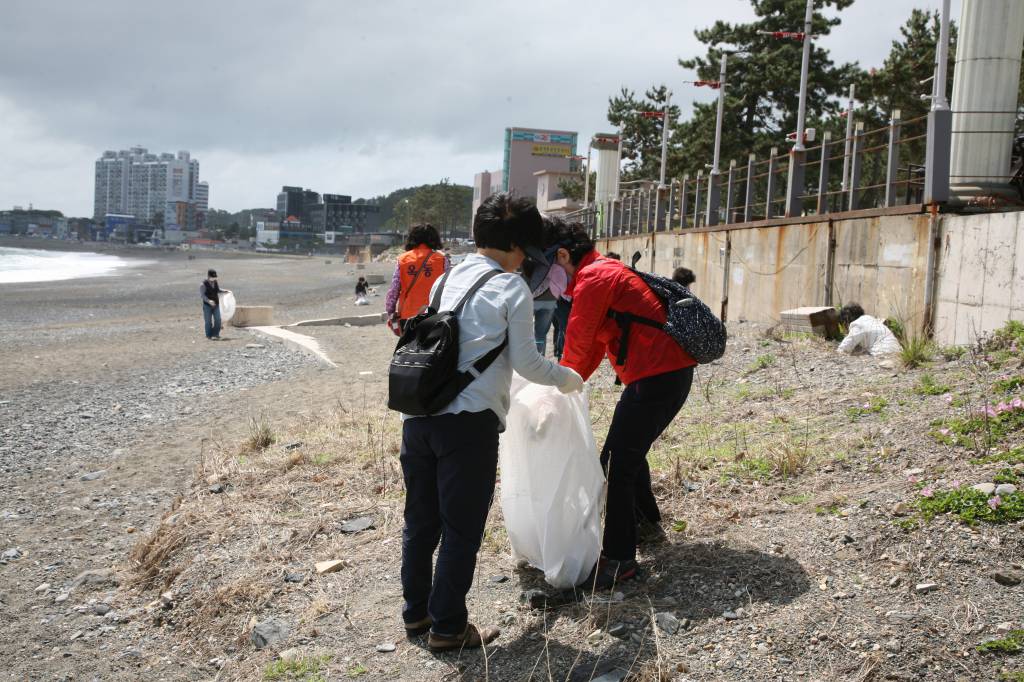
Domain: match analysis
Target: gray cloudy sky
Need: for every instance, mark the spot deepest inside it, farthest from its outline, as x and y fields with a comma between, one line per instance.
x=350, y=97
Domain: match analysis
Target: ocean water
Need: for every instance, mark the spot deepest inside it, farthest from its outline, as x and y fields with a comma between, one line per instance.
x=33, y=265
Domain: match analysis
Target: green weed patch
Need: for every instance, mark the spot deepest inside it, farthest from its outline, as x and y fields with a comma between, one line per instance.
x=972, y=506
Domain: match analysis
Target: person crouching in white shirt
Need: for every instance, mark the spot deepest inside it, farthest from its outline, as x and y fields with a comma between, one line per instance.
x=866, y=333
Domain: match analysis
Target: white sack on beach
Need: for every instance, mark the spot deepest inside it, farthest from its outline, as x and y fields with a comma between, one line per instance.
x=227, y=306
x=552, y=486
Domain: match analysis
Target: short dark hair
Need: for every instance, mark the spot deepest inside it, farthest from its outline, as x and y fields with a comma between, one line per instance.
x=613, y=255
x=684, y=276
x=423, y=233
x=569, y=236
x=850, y=312
x=211, y=273
x=504, y=222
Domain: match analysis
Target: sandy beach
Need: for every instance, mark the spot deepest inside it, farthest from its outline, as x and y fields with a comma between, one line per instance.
x=108, y=391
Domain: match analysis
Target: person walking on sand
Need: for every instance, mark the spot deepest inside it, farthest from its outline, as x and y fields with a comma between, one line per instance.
x=449, y=459
x=606, y=296
x=418, y=268
x=209, y=292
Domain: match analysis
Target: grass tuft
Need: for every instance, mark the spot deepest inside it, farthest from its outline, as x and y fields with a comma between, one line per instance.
x=261, y=435
x=917, y=351
x=306, y=669
x=1011, y=645
x=928, y=386
x=971, y=506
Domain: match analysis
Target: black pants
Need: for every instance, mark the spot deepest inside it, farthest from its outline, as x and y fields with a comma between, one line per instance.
x=449, y=463
x=644, y=410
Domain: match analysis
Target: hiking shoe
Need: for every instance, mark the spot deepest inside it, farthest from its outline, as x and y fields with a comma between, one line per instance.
x=607, y=573
x=471, y=638
x=420, y=627
x=650, y=533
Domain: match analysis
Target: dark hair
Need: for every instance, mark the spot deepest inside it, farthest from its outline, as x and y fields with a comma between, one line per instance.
x=684, y=276
x=423, y=233
x=850, y=312
x=211, y=273
x=569, y=236
x=613, y=255
x=503, y=222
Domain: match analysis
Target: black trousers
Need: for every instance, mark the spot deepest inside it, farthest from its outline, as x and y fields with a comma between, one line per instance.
x=449, y=463
x=644, y=410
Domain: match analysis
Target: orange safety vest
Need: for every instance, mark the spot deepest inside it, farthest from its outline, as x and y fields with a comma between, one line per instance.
x=415, y=290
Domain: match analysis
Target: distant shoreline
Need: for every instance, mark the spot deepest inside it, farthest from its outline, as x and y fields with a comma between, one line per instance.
x=149, y=252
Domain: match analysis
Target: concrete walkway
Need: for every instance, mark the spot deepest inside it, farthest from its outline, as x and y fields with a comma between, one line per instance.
x=299, y=342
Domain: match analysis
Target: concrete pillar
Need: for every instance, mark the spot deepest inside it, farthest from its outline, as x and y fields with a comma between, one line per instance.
x=988, y=54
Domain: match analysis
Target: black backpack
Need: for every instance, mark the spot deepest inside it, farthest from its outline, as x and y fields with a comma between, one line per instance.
x=424, y=375
x=688, y=321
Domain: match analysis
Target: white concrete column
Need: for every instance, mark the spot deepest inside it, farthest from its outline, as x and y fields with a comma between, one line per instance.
x=988, y=61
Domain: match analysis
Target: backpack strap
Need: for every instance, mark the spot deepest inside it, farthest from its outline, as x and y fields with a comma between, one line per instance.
x=435, y=302
x=485, y=361
x=625, y=322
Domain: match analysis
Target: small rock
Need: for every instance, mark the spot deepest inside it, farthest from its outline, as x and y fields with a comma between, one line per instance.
x=386, y=648
x=217, y=488
x=268, y=632
x=893, y=646
x=843, y=595
x=914, y=472
x=95, y=579
x=901, y=509
x=293, y=446
x=498, y=579
x=925, y=588
x=887, y=364
x=761, y=648
x=1005, y=578
x=254, y=345
x=100, y=609
x=985, y=488
x=617, y=630
x=1003, y=628
x=331, y=566
x=43, y=588
x=730, y=615
x=357, y=525
x=1005, y=489
x=77, y=635
x=11, y=554
x=294, y=577
x=894, y=581
x=289, y=655
x=92, y=476
x=595, y=637
x=667, y=622
x=61, y=598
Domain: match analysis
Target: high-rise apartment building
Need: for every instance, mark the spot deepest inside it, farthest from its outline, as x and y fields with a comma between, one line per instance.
x=147, y=186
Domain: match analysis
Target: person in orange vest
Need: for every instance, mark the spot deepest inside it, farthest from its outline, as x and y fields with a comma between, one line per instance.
x=418, y=268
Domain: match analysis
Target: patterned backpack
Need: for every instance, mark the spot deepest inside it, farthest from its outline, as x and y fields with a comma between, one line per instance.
x=688, y=321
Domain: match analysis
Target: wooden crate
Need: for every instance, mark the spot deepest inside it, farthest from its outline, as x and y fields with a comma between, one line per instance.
x=823, y=321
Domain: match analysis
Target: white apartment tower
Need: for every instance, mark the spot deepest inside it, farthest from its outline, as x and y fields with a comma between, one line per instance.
x=136, y=182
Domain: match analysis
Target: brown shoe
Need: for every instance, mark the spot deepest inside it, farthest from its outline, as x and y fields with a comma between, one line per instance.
x=420, y=627
x=472, y=638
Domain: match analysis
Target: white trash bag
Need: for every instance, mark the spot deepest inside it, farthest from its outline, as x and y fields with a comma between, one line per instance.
x=552, y=485
x=226, y=301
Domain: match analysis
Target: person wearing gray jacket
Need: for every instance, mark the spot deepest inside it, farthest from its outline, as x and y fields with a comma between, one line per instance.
x=209, y=292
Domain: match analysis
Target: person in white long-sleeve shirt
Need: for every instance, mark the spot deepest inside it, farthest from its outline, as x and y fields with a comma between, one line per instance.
x=449, y=459
x=866, y=333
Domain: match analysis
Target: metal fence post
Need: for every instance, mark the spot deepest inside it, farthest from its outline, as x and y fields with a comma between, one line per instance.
x=770, y=191
x=639, y=197
x=748, y=202
x=940, y=122
x=714, y=197
x=795, y=184
x=730, y=192
x=826, y=140
x=855, y=163
x=670, y=208
x=696, y=200
x=682, y=202
x=893, y=159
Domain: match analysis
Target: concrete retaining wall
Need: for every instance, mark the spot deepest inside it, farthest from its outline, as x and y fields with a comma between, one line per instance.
x=980, y=277
x=880, y=262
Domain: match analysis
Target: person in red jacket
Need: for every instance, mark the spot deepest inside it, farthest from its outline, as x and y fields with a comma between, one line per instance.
x=657, y=373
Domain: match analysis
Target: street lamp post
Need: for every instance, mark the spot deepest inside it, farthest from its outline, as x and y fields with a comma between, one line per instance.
x=940, y=122
x=798, y=154
x=714, y=185
x=664, y=139
x=849, y=142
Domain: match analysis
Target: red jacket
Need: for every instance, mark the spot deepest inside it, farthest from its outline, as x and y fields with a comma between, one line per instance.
x=600, y=285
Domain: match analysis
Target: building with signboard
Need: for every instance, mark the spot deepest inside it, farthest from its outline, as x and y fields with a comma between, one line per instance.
x=529, y=150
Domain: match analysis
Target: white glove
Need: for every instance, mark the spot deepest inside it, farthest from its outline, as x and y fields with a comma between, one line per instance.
x=573, y=383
